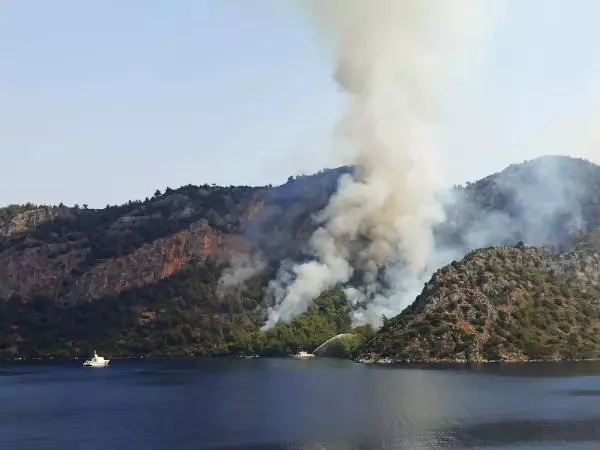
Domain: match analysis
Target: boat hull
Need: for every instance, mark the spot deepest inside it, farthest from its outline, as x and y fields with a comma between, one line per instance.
x=303, y=355
x=95, y=364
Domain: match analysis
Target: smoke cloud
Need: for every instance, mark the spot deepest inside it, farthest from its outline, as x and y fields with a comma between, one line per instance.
x=241, y=269
x=539, y=202
x=394, y=60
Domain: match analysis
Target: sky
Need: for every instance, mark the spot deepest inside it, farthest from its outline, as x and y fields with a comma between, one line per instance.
x=102, y=102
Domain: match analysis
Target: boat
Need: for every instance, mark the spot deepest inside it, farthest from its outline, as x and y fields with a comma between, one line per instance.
x=303, y=355
x=96, y=361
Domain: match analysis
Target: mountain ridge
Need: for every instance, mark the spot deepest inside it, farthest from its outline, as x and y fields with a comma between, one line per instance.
x=150, y=269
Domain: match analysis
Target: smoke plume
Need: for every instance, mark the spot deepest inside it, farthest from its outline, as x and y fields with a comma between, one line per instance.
x=394, y=61
x=242, y=268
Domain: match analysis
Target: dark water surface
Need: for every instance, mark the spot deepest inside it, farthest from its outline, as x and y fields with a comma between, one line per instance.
x=288, y=404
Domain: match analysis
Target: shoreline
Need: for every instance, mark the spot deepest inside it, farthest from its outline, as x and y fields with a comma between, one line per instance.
x=366, y=361
x=464, y=362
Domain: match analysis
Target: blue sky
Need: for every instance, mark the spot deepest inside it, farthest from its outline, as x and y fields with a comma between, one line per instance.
x=101, y=102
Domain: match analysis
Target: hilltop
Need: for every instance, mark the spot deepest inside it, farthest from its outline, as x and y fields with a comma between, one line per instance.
x=501, y=303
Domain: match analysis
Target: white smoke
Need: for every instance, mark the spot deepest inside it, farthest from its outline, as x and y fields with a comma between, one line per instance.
x=394, y=60
x=243, y=267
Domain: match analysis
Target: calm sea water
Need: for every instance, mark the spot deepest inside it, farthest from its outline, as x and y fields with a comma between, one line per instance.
x=288, y=404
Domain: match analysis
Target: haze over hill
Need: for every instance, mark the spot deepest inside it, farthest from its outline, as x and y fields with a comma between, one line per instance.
x=188, y=270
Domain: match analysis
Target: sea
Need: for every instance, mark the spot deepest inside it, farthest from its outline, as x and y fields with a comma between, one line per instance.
x=264, y=404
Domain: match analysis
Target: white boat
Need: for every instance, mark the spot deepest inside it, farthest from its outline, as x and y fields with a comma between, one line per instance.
x=96, y=361
x=303, y=355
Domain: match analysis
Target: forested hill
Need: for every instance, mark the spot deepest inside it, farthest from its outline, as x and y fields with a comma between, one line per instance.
x=501, y=303
x=141, y=278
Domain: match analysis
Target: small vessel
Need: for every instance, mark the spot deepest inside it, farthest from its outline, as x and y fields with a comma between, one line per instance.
x=96, y=361
x=303, y=355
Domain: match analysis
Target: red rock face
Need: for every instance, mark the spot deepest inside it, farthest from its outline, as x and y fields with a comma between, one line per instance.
x=175, y=257
x=152, y=262
x=36, y=271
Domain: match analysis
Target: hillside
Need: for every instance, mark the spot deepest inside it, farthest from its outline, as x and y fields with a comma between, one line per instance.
x=142, y=277
x=501, y=303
